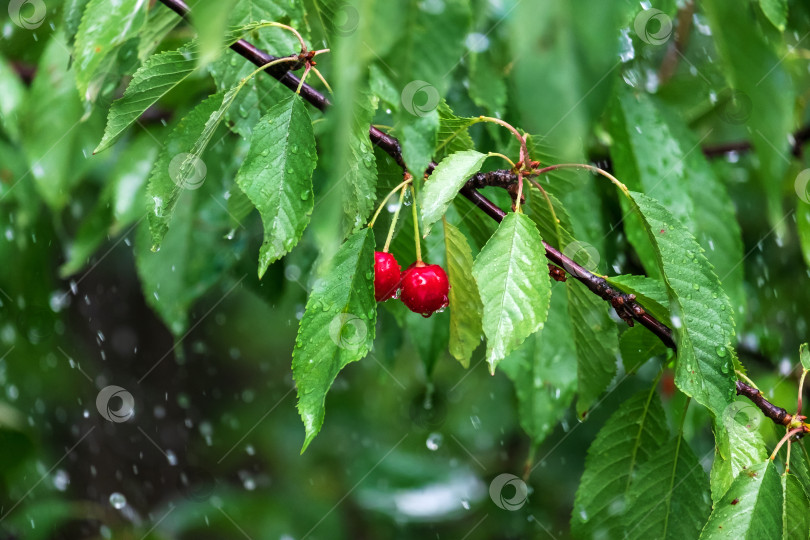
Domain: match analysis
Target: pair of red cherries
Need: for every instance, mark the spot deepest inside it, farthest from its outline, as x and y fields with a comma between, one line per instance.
x=424, y=287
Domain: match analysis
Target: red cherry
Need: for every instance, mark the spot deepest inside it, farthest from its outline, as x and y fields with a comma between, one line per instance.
x=387, y=276
x=425, y=288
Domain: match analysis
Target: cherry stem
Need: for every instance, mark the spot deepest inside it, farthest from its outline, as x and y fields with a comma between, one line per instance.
x=307, y=69
x=497, y=154
x=591, y=168
x=416, y=228
x=550, y=207
x=787, y=459
x=787, y=436
x=524, y=151
x=394, y=219
x=801, y=387
x=519, y=191
x=321, y=77
x=408, y=179
x=294, y=31
x=747, y=379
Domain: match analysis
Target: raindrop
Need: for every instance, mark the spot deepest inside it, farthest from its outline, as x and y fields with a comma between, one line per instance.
x=61, y=480
x=721, y=351
x=434, y=441
x=118, y=501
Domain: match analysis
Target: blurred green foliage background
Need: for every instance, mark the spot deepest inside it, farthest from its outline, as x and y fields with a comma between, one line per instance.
x=412, y=440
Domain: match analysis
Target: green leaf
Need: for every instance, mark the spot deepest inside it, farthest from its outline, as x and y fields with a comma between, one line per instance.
x=276, y=175
x=804, y=355
x=512, y=277
x=194, y=255
x=627, y=441
x=180, y=165
x=637, y=345
x=444, y=183
x=105, y=26
x=767, y=91
x=752, y=507
x=121, y=203
x=795, y=518
x=153, y=80
x=594, y=332
x=381, y=86
x=13, y=92
x=702, y=319
x=655, y=153
x=337, y=327
x=160, y=22
x=263, y=91
x=417, y=139
x=776, y=11
x=423, y=67
x=50, y=131
x=72, y=16
x=164, y=186
x=465, y=303
x=487, y=83
x=739, y=445
x=669, y=497
x=650, y=293
x=359, y=166
x=545, y=379
x=577, y=43
x=453, y=135
x=596, y=340
x=211, y=20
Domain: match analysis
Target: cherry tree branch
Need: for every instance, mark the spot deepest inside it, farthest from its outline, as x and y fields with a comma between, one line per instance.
x=625, y=304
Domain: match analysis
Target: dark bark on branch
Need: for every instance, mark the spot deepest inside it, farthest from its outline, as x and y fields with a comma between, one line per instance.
x=777, y=414
x=625, y=304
